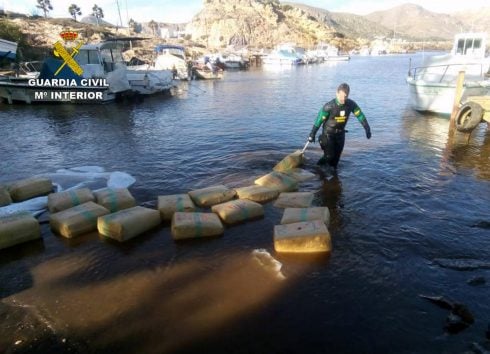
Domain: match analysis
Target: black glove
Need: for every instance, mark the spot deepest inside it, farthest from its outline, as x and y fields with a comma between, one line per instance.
x=368, y=133
x=311, y=138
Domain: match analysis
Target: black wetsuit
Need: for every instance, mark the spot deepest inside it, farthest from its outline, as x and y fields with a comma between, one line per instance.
x=334, y=116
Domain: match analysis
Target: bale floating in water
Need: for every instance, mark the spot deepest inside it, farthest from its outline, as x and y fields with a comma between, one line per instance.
x=294, y=200
x=195, y=225
x=4, y=197
x=257, y=193
x=210, y=196
x=77, y=220
x=302, y=237
x=278, y=181
x=115, y=199
x=300, y=174
x=292, y=215
x=68, y=199
x=30, y=188
x=169, y=204
x=18, y=228
x=289, y=162
x=128, y=223
x=239, y=210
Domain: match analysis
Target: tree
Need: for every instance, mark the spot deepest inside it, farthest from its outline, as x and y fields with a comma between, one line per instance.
x=74, y=10
x=97, y=13
x=154, y=26
x=134, y=26
x=44, y=5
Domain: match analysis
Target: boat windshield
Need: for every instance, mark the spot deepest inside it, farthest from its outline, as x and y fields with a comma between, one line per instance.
x=88, y=57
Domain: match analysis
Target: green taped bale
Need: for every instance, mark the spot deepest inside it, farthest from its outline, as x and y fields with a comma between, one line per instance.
x=239, y=210
x=257, y=193
x=195, y=225
x=302, y=237
x=68, y=199
x=289, y=162
x=278, y=181
x=210, y=196
x=128, y=223
x=78, y=220
x=300, y=174
x=115, y=199
x=292, y=215
x=294, y=200
x=4, y=197
x=18, y=228
x=169, y=204
x=30, y=188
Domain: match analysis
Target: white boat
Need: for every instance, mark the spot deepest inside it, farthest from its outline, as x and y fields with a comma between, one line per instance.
x=8, y=49
x=103, y=78
x=432, y=86
x=328, y=52
x=171, y=57
x=284, y=54
x=145, y=80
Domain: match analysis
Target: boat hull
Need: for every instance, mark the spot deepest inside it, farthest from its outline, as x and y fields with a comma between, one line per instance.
x=439, y=97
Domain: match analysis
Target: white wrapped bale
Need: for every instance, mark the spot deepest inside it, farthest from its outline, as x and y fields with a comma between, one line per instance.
x=128, y=223
x=68, y=199
x=289, y=162
x=239, y=210
x=294, y=200
x=4, y=197
x=18, y=228
x=195, y=225
x=292, y=215
x=257, y=193
x=78, y=220
x=300, y=174
x=210, y=196
x=278, y=181
x=115, y=199
x=169, y=204
x=30, y=188
x=302, y=237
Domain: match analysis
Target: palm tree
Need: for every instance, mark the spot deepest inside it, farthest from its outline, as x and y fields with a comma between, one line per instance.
x=97, y=13
x=74, y=10
x=154, y=26
x=44, y=5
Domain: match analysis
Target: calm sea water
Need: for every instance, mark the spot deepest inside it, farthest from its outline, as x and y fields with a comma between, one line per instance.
x=405, y=205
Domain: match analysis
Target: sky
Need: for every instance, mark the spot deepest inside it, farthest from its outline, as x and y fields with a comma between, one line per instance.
x=177, y=11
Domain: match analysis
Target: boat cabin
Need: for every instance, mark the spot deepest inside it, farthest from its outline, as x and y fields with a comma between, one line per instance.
x=470, y=45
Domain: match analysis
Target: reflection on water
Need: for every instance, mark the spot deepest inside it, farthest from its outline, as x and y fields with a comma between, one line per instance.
x=398, y=202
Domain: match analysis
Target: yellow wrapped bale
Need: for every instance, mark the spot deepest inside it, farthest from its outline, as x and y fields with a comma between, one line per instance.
x=210, y=196
x=115, y=199
x=289, y=162
x=278, y=181
x=294, y=200
x=302, y=237
x=239, y=210
x=68, y=199
x=292, y=215
x=257, y=193
x=18, y=228
x=4, y=197
x=169, y=204
x=30, y=188
x=78, y=220
x=195, y=225
x=300, y=174
x=128, y=223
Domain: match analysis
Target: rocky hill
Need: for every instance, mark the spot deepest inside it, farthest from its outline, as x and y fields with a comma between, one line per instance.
x=256, y=23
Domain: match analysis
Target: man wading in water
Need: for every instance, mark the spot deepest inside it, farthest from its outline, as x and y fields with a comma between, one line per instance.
x=334, y=116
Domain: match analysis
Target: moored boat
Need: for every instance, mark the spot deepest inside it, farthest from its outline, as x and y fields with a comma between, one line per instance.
x=432, y=86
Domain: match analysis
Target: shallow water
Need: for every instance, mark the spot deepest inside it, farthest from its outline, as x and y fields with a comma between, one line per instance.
x=402, y=201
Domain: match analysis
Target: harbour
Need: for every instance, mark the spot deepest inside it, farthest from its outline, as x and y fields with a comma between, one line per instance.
x=409, y=212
